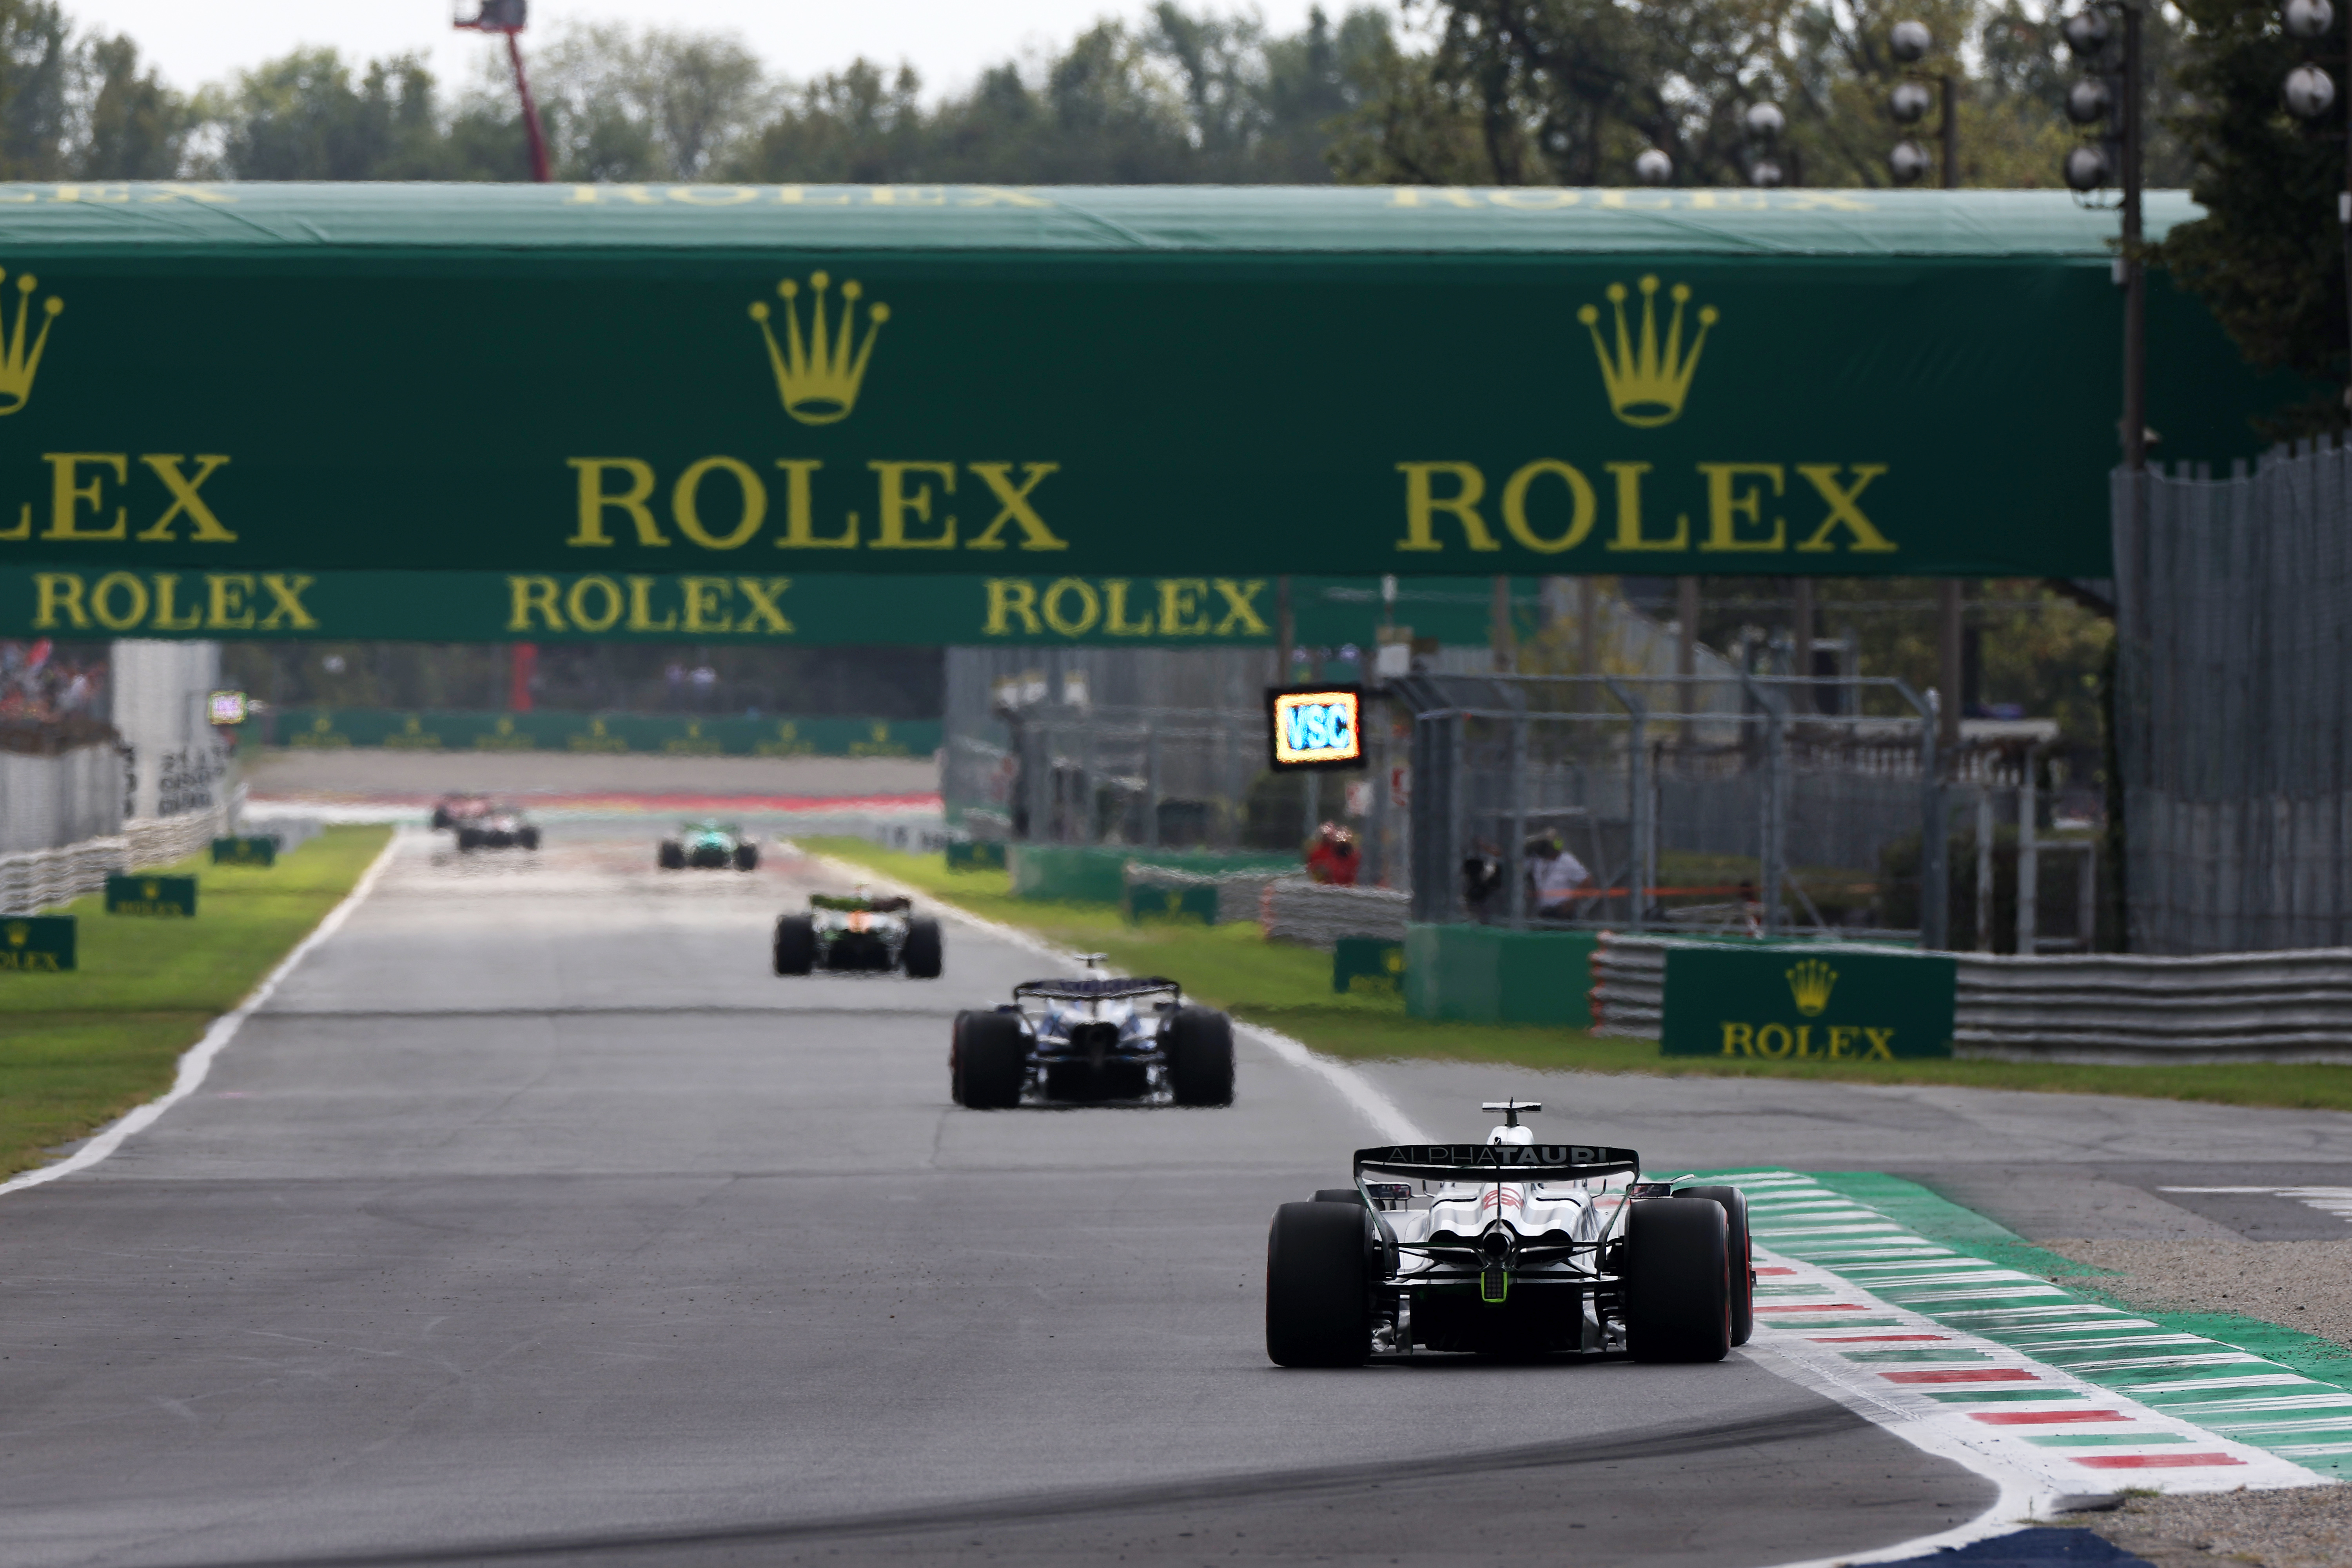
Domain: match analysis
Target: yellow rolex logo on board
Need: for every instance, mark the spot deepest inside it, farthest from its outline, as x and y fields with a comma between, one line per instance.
x=20, y=350
x=818, y=372
x=1646, y=381
x=1810, y=983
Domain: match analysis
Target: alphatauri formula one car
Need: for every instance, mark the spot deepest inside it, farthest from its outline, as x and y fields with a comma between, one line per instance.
x=498, y=827
x=708, y=845
x=1508, y=1248
x=1092, y=1040
x=858, y=932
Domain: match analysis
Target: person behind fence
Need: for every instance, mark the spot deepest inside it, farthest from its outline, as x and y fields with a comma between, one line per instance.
x=1333, y=856
x=1553, y=876
x=1482, y=878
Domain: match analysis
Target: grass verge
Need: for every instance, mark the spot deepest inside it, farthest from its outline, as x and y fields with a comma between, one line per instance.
x=1289, y=989
x=77, y=1050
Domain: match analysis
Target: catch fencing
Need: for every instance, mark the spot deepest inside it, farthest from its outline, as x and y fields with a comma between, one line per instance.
x=1758, y=803
x=2234, y=703
x=2102, y=1007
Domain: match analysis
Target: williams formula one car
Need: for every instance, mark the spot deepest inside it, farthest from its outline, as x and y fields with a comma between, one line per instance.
x=1093, y=1039
x=708, y=845
x=858, y=932
x=451, y=810
x=496, y=828
x=1508, y=1248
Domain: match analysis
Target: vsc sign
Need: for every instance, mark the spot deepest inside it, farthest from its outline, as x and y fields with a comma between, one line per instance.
x=1316, y=726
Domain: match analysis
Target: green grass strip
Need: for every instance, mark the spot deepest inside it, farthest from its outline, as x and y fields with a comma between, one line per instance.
x=1288, y=987
x=78, y=1050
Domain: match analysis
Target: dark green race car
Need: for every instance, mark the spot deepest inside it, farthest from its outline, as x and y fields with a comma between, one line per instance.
x=708, y=845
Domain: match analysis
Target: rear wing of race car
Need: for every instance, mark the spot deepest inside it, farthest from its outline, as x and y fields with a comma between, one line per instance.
x=1499, y=1162
x=857, y=905
x=1095, y=989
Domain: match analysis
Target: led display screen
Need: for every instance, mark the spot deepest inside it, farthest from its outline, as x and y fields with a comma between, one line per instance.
x=1316, y=726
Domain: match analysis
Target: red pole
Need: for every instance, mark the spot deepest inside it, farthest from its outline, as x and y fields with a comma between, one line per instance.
x=522, y=663
x=530, y=112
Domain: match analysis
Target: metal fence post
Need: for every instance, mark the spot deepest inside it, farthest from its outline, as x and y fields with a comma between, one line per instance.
x=1514, y=856
x=1460, y=729
x=1776, y=796
x=1935, y=836
x=1984, y=868
x=1152, y=785
x=2086, y=896
x=1641, y=808
x=2029, y=867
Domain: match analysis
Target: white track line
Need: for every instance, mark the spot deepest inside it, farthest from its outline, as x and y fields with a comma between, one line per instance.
x=197, y=1061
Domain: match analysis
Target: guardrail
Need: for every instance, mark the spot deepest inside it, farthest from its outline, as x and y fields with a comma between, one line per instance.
x=2105, y=1007
x=1298, y=909
x=43, y=879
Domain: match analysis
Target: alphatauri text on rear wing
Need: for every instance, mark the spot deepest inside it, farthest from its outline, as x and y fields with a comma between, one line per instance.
x=1503, y=1161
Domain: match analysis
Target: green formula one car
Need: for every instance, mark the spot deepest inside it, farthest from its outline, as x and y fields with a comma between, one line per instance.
x=711, y=845
x=859, y=932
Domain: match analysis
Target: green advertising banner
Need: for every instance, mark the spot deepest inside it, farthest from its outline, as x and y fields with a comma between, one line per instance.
x=211, y=392
x=245, y=852
x=505, y=607
x=36, y=944
x=136, y=895
x=1807, y=1003
x=675, y=735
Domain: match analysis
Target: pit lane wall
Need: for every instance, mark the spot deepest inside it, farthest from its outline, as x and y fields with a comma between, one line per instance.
x=670, y=735
x=2107, y=1008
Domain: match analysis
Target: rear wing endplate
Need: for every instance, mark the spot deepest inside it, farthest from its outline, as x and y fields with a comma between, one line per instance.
x=1500, y=1161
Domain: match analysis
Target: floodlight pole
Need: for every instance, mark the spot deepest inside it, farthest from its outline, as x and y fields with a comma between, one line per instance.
x=2134, y=278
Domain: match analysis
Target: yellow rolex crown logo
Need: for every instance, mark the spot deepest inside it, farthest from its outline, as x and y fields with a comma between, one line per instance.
x=1809, y=982
x=1646, y=386
x=20, y=351
x=18, y=934
x=152, y=889
x=818, y=372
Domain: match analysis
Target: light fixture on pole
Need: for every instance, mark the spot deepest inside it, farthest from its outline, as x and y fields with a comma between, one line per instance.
x=2310, y=93
x=1909, y=42
x=1765, y=123
x=1653, y=167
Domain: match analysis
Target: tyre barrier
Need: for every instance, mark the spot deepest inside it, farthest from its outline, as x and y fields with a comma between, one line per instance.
x=38, y=879
x=2292, y=1006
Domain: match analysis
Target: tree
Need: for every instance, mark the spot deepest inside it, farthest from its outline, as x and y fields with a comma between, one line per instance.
x=137, y=128
x=1570, y=91
x=2268, y=257
x=35, y=89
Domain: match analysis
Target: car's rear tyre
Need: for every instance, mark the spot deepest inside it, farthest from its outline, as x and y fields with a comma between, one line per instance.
x=1742, y=1248
x=795, y=945
x=1200, y=1047
x=1678, y=1279
x=528, y=839
x=671, y=856
x=469, y=839
x=924, y=952
x=991, y=1060
x=1339, y=1195
x=1316, y=1310
x=747, y=856
x=440, y=817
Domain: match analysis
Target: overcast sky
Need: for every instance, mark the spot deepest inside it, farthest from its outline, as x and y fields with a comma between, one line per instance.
x=950, y=41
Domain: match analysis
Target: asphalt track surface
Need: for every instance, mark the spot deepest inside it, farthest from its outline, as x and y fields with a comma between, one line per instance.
x=534, y=1221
